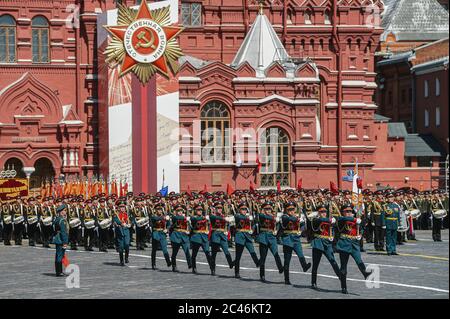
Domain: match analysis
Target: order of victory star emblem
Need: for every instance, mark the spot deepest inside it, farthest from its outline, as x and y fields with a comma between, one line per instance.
x=144, y=42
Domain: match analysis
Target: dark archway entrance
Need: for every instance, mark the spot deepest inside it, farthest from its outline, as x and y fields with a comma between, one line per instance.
x=43, y=171
x=15, y=164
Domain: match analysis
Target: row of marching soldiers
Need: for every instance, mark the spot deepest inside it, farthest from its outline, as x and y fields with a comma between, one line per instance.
x=215, y=221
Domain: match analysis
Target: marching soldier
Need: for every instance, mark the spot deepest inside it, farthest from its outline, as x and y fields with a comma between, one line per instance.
x=291, y=233
x=104, y=224
x=401, y=234
x=18, y=220
x=199, y=238
x=179, y=236
x=88, y=220
x=348, y=244
x=436, y=205
x=139, y=213
x=391, y=221
x=267, y=238
x=243, y=220
x=377, y=221
x=219, y=235
x=159, y=222
x=322, y=227
x=7, y=219
x=46, y=221
x=368, y=211
x=122, y=225
x=61, y=239
x=32, y=213
x=74, y=224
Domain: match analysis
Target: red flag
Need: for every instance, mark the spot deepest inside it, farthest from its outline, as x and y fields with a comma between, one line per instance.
x=258, y=168
x=121, y=189
x=299, y=184
x=125, y=188
x=359, y=183
x=65, y=261
x=205, y=190
x=189, y=191
x=278, y=186
x=230, y=189
x=333, y=188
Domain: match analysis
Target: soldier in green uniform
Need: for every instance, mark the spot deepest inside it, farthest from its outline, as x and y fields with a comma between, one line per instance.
x=159, y=223
x=219, y=235
x=291, y=233
x=267, y=238
x=179, y=236
x=61, y=239
x=122, y=225
x=322, y=244
x=391, y=220
x=377, y=221
x=199, y=237
x=243, y=238
x=348, y=243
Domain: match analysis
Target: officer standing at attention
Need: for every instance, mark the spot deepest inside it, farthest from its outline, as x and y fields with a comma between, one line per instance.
x=291, y=233
x=199, y=238
x=391, y=220
x=122, y=226
x=348, y=243
x=267, y=239
x=159, y=222
x=243, y=237
x=61, y=239
x=322, y=244
x=179, y=237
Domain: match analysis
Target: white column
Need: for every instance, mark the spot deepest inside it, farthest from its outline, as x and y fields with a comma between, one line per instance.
x=64, y=157
x=76, y=157
x=72, y=157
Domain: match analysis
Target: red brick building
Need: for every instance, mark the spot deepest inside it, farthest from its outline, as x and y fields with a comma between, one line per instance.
x=306, y=75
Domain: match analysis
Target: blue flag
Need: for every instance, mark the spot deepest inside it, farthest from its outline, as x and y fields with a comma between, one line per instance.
x=164, y=191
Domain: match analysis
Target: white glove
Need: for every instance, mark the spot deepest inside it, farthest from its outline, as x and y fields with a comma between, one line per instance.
x=167, y=217
x=358, y=221
x=277, y=219
x=333, y=220
x=383, y=227
x=250, y=217
x=207, y=217
x=165, y=231
x=188, y=218
x=229, y=219
x=373, y=224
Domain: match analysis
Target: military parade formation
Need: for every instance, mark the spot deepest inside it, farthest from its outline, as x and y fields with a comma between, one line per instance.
x=215, y=222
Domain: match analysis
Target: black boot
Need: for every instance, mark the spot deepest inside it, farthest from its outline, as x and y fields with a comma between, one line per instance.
x=314, y=280
x=255, y=259
x=153, y=264
x=208, y=259
x=286, y=275
x=304, y=264
x=362, y=269
x=174, y=265
x=237, y=269
x=279, y=263
x=194, y=265
x=189, y=262
x=230, y=261
x=336, y=269
x=57, y=270
x=169, y=263
x=262, y=273
x=127, y=253
x=344, y=284
x=121, y=259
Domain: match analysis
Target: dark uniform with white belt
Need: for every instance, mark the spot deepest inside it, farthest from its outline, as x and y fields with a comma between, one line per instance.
x=179, y=236
x=199, y=237
x=159, y=223
x=61, y=239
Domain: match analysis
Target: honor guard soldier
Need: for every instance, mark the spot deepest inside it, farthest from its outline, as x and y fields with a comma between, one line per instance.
x=32, y=215
x=199, y=237
x=377, y=221
x=243, y=238
x=368, y=211
x=140, y=221
x=291, y=225
x=410, y=204
x=348, y=243
x=438, y=213
x=267, y=238
x=219, y=235
x=179, y=236
x=18, y=221
x=104, y=224
x=122, y=225
x=89, y=220
x=7, y=219
x=401, y=232
x=74, y=224
x=61, y=239
x=46, y=222
x=391, y=220
x=159, y=223
x=322, y=244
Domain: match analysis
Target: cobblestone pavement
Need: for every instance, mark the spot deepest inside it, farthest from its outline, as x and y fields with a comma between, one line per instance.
x=421, y=271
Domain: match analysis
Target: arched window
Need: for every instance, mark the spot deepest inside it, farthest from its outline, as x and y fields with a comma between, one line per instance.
x=438, y=87
x=427, y=118
x=425, y=88
x=327, y=17
x=215, y=133
x=40, y=35
x=14, y=164
x=275, y=157
x=308, y=17
x=7, y=39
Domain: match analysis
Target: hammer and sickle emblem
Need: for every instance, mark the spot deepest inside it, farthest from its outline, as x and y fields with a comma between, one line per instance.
x=148, y=43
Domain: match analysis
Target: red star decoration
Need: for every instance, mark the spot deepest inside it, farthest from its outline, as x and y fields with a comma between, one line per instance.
x=119, y=32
